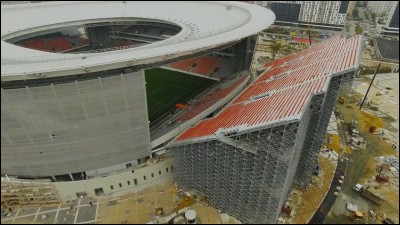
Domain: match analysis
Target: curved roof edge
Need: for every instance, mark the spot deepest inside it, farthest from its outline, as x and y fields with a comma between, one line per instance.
x=205, y=25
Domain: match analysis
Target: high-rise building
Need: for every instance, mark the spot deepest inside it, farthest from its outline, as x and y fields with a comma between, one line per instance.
x=381, y=7
x=391, y=25
x=393, y=21
x=323, y=14
x=352, y=5
x=246, y=158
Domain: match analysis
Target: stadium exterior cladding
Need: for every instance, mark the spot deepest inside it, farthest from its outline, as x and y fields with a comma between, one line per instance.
x=69, y=113
x=246, y=168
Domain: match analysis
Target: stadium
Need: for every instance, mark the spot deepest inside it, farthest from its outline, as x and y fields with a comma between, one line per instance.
x=89, y=97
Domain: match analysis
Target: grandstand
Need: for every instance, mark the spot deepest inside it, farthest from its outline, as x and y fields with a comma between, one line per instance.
x=246, y=157
x=36, y=44
x=165, y=88
x=205, y=65
x=60, y=44
x=75, y=38
x=55, y=44
x=212, y=97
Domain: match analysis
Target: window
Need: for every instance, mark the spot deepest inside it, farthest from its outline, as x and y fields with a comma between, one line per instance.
x=152, y=174
x=129, y=183
x=120, y=185
x=159, y=172
x=144, y=177
x=98, y=191
x=112, y=187
x=135, y=181
x=166, y=169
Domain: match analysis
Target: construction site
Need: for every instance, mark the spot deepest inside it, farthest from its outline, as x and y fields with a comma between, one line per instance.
x=311, y=137
x=161, y=202
x=372, y=135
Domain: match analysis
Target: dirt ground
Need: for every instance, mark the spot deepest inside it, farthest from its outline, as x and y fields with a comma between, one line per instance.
x=138, y=208
x=206, y=214
x=382, y=113
x=312, y=198
x=334, y=144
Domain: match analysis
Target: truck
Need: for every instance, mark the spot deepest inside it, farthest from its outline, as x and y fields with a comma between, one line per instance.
x=368, y=194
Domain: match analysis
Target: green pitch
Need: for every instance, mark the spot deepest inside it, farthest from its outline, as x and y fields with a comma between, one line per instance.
x=165, y=88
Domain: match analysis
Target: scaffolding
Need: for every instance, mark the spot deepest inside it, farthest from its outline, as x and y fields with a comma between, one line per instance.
x=248, y=174
x=320, y=112
x=22, y=192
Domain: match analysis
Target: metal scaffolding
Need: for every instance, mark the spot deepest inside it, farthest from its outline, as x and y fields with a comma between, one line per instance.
x=320, y=112
x=248, y=174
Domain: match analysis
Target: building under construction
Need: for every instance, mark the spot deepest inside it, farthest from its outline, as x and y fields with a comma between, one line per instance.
x=246, y=157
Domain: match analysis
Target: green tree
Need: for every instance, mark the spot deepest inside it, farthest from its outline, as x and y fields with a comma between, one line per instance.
x=358, y=30
x=373, y=16
x=275, y=48
x=356, y=14
x=366, y=15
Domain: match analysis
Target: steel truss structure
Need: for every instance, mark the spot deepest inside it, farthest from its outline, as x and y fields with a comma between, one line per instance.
x=321, y=108
x=249, y=174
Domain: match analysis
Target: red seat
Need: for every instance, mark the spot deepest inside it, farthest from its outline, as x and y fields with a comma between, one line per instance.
x=60, y=44
x=38, y=44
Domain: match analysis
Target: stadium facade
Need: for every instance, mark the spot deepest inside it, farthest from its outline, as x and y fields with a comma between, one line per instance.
x=68, y=115
x=246, y=158
x=82, y=116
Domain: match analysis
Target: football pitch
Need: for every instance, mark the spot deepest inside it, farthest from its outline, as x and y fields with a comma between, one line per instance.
x=165, y=88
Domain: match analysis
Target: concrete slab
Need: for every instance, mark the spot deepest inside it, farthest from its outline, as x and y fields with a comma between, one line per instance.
x=27, y=210
x=26, y=219
x=86, y=213
x=6, y=222
x=66, y=216
x=49, y=208
x=85, y=201
x=46, y=218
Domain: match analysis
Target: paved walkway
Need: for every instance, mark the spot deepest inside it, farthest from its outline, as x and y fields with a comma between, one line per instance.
x=82, y=212
x=330, y=198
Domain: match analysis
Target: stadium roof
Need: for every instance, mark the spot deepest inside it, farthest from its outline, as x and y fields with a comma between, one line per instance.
x=284, y=90
x=204, y=25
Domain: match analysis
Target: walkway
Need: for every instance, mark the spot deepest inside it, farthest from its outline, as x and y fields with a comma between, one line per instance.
x=81, y=213
x=330, y=198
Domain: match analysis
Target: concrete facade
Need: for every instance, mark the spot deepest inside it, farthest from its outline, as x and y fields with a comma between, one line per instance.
x=118, y=183
x=380, y=7
x=327, y=13
x=65, y=128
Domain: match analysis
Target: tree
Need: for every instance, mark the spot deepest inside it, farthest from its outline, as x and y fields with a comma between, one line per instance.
x=356, y=13
x=373, y=16
x=358, y=30
x=366, y=15
x=371, y=42
x=275, y=48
